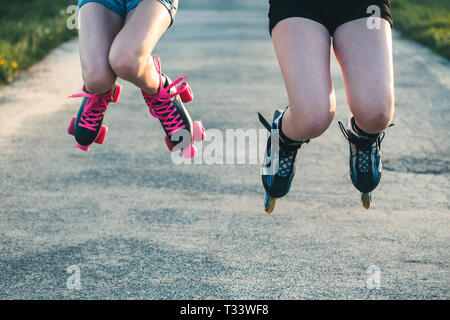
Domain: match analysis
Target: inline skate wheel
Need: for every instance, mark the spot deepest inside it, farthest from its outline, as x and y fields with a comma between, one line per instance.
x=269, y=204
x=366, y=198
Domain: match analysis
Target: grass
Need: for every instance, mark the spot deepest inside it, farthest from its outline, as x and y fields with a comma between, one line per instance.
x=29, y=29
x=425, y=21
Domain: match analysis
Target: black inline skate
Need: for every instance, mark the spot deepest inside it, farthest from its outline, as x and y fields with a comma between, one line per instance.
x=278, y=168
x=365, y=159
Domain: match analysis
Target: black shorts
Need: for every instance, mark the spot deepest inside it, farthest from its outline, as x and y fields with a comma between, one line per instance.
x=330, y=13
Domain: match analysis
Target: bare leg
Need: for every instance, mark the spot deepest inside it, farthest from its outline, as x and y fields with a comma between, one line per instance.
x=365, y=56
x=303, y=51
x=130, y=54
x=99, y=26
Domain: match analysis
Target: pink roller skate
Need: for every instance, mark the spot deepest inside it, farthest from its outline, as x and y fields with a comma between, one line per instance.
x=87, y=125
x=168, y=107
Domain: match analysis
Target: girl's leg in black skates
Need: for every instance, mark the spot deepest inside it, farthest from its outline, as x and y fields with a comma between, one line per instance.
x=365, y=56
x=278, y=169
x=303, y=51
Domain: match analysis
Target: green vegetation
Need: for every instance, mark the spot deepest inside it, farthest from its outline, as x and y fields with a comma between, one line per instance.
x=29, y=29
x=426, y=21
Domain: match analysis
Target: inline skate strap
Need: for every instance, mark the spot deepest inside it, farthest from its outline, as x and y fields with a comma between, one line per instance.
x=264, y=122
x=289, y=145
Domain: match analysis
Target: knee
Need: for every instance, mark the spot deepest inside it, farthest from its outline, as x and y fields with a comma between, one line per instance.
x=98, y=80
x=127, y=63
x=374, y=115
x=313, y=121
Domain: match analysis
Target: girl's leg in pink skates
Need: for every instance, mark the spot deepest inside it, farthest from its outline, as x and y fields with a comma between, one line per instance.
x=130, y=55
x=99, y=27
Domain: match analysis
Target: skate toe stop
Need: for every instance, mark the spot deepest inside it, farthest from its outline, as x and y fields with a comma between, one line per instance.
x=81, y=147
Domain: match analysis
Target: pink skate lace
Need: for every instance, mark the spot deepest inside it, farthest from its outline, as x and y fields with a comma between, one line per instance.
x=160, y=104
x=94, y=108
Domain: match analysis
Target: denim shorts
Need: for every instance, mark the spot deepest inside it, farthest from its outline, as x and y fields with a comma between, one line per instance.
x=123, y=7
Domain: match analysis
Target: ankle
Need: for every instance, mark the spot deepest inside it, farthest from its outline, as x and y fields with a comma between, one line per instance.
x=355, y=128
x=283, y=136
x=150, y=91
x=155, y=87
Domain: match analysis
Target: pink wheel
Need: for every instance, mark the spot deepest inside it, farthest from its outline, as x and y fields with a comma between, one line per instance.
x=117, y=93
x=169, y=143
x=81, y=147
x=71, y=128
x=190, y=151
x=199, y=131
x=187, y=95
x=102, y=135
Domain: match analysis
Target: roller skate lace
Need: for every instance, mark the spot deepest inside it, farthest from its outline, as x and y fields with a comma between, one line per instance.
x=363, y=147
x=161, y=105
x=94, y=108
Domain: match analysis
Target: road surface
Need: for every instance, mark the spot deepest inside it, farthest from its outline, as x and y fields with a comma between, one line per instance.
x=139, y=226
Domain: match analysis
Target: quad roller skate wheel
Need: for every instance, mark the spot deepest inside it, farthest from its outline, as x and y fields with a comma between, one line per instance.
x=269, y=204
x=117, y=93
x=101, y=135
x=189, y=152
x=170, y=144
x=81, y=147
x=187, y=95
x=199, y=131
x=100, y=138
x=71, y=128
x=366, y=199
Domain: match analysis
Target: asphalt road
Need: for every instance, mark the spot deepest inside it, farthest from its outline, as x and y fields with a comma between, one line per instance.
x=139, y=226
